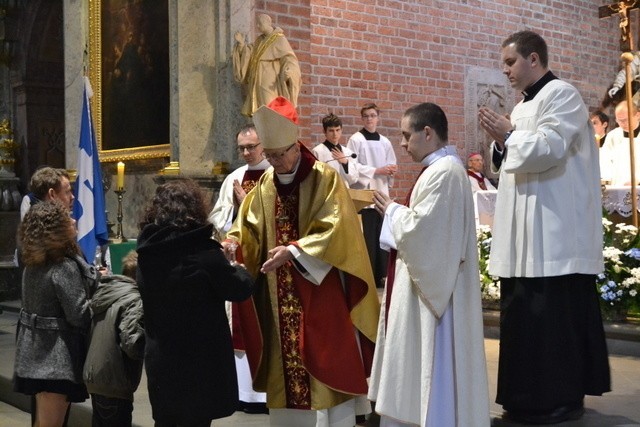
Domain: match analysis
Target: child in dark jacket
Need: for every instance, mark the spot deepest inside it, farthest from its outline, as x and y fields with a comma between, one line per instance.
x=113, y=366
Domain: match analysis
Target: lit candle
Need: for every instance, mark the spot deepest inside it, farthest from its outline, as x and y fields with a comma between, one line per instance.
x=120, y=180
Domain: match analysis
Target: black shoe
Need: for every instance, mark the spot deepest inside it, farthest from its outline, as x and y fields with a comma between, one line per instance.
x=254, y=407
x=560, y=414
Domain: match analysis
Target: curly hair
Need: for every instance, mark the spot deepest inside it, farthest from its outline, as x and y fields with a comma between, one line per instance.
x=47, y=234
x=179, y=203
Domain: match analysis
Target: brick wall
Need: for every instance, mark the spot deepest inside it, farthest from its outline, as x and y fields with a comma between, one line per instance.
x=399, y=53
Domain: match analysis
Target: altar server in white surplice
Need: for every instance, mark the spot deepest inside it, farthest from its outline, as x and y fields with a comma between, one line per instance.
x=547, y=242
x=331, y=152
x=429, y=365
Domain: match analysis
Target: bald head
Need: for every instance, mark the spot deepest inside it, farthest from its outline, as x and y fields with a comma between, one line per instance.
x=622, y=116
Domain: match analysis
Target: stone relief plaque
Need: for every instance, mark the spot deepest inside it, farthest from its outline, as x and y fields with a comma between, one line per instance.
x=484, y=87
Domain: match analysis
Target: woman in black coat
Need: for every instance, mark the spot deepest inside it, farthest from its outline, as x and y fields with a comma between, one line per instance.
x=184, y=280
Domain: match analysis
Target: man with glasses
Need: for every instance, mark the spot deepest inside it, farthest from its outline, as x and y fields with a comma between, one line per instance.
x=310, y=327
x=239, y=182
x=376, y=166
x=232, y=192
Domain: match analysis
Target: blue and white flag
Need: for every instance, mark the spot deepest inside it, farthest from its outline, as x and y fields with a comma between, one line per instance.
x=89, y=206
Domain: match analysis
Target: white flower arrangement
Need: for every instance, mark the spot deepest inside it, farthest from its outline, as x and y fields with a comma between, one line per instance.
x=490, y=285
x=619, y=283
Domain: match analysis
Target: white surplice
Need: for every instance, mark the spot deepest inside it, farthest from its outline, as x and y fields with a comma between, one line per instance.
x=548, y=217
x=372, y=154
x=615, y=163
x=350, y=176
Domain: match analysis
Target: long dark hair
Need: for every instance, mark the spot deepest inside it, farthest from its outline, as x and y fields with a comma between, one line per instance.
x=179, y=203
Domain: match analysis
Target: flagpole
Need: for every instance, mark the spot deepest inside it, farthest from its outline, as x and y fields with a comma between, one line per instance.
x=627, y=57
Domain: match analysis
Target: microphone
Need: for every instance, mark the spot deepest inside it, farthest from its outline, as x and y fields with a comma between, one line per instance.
x=353, y=156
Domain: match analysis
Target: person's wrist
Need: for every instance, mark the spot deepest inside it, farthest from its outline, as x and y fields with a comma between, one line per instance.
x=507, y=135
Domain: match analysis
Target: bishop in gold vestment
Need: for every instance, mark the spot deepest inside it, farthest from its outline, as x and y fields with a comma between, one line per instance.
x=310, y=329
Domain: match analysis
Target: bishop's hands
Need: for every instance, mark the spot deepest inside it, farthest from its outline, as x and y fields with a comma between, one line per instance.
x=278, y=256
x=494, y=124
x=381, y=202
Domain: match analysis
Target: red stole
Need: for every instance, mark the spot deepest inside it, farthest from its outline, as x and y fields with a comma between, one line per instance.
x=249, y=181
x=393, y=255
x=480, y=179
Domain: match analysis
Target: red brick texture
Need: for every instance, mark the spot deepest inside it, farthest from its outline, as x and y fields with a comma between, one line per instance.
x=399, y=53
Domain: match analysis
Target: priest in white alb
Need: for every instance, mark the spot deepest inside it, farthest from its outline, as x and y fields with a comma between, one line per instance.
x=429, y=366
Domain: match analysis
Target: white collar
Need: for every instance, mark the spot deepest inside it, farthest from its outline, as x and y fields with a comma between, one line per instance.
x=287, y=178
x=263, y=165
x=441, y=153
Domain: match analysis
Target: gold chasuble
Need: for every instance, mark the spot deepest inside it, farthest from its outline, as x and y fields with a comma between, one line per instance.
x=309, y=346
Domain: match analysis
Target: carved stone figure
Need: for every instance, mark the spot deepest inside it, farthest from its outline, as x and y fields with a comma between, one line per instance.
x=269, y=68
x=620, y=79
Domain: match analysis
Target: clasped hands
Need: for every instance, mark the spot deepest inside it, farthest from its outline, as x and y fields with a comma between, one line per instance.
x=494, y=124
x=238, y=193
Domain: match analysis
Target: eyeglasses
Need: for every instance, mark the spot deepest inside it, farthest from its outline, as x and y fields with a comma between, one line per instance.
x=249, y=148
x=369, y=116
x=277, y=156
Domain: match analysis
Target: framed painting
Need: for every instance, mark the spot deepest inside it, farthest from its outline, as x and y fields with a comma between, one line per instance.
x=129, y=73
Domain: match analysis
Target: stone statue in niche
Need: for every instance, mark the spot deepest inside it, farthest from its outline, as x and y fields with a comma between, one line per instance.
x=268, y=68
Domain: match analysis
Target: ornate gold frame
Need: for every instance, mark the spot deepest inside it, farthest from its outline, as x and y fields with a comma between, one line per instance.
x=95, y=76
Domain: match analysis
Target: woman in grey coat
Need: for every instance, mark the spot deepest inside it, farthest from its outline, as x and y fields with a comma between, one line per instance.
x=55, y=315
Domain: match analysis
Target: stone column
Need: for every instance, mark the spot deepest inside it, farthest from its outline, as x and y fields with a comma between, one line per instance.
x=76, y=37
x=206, y=99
